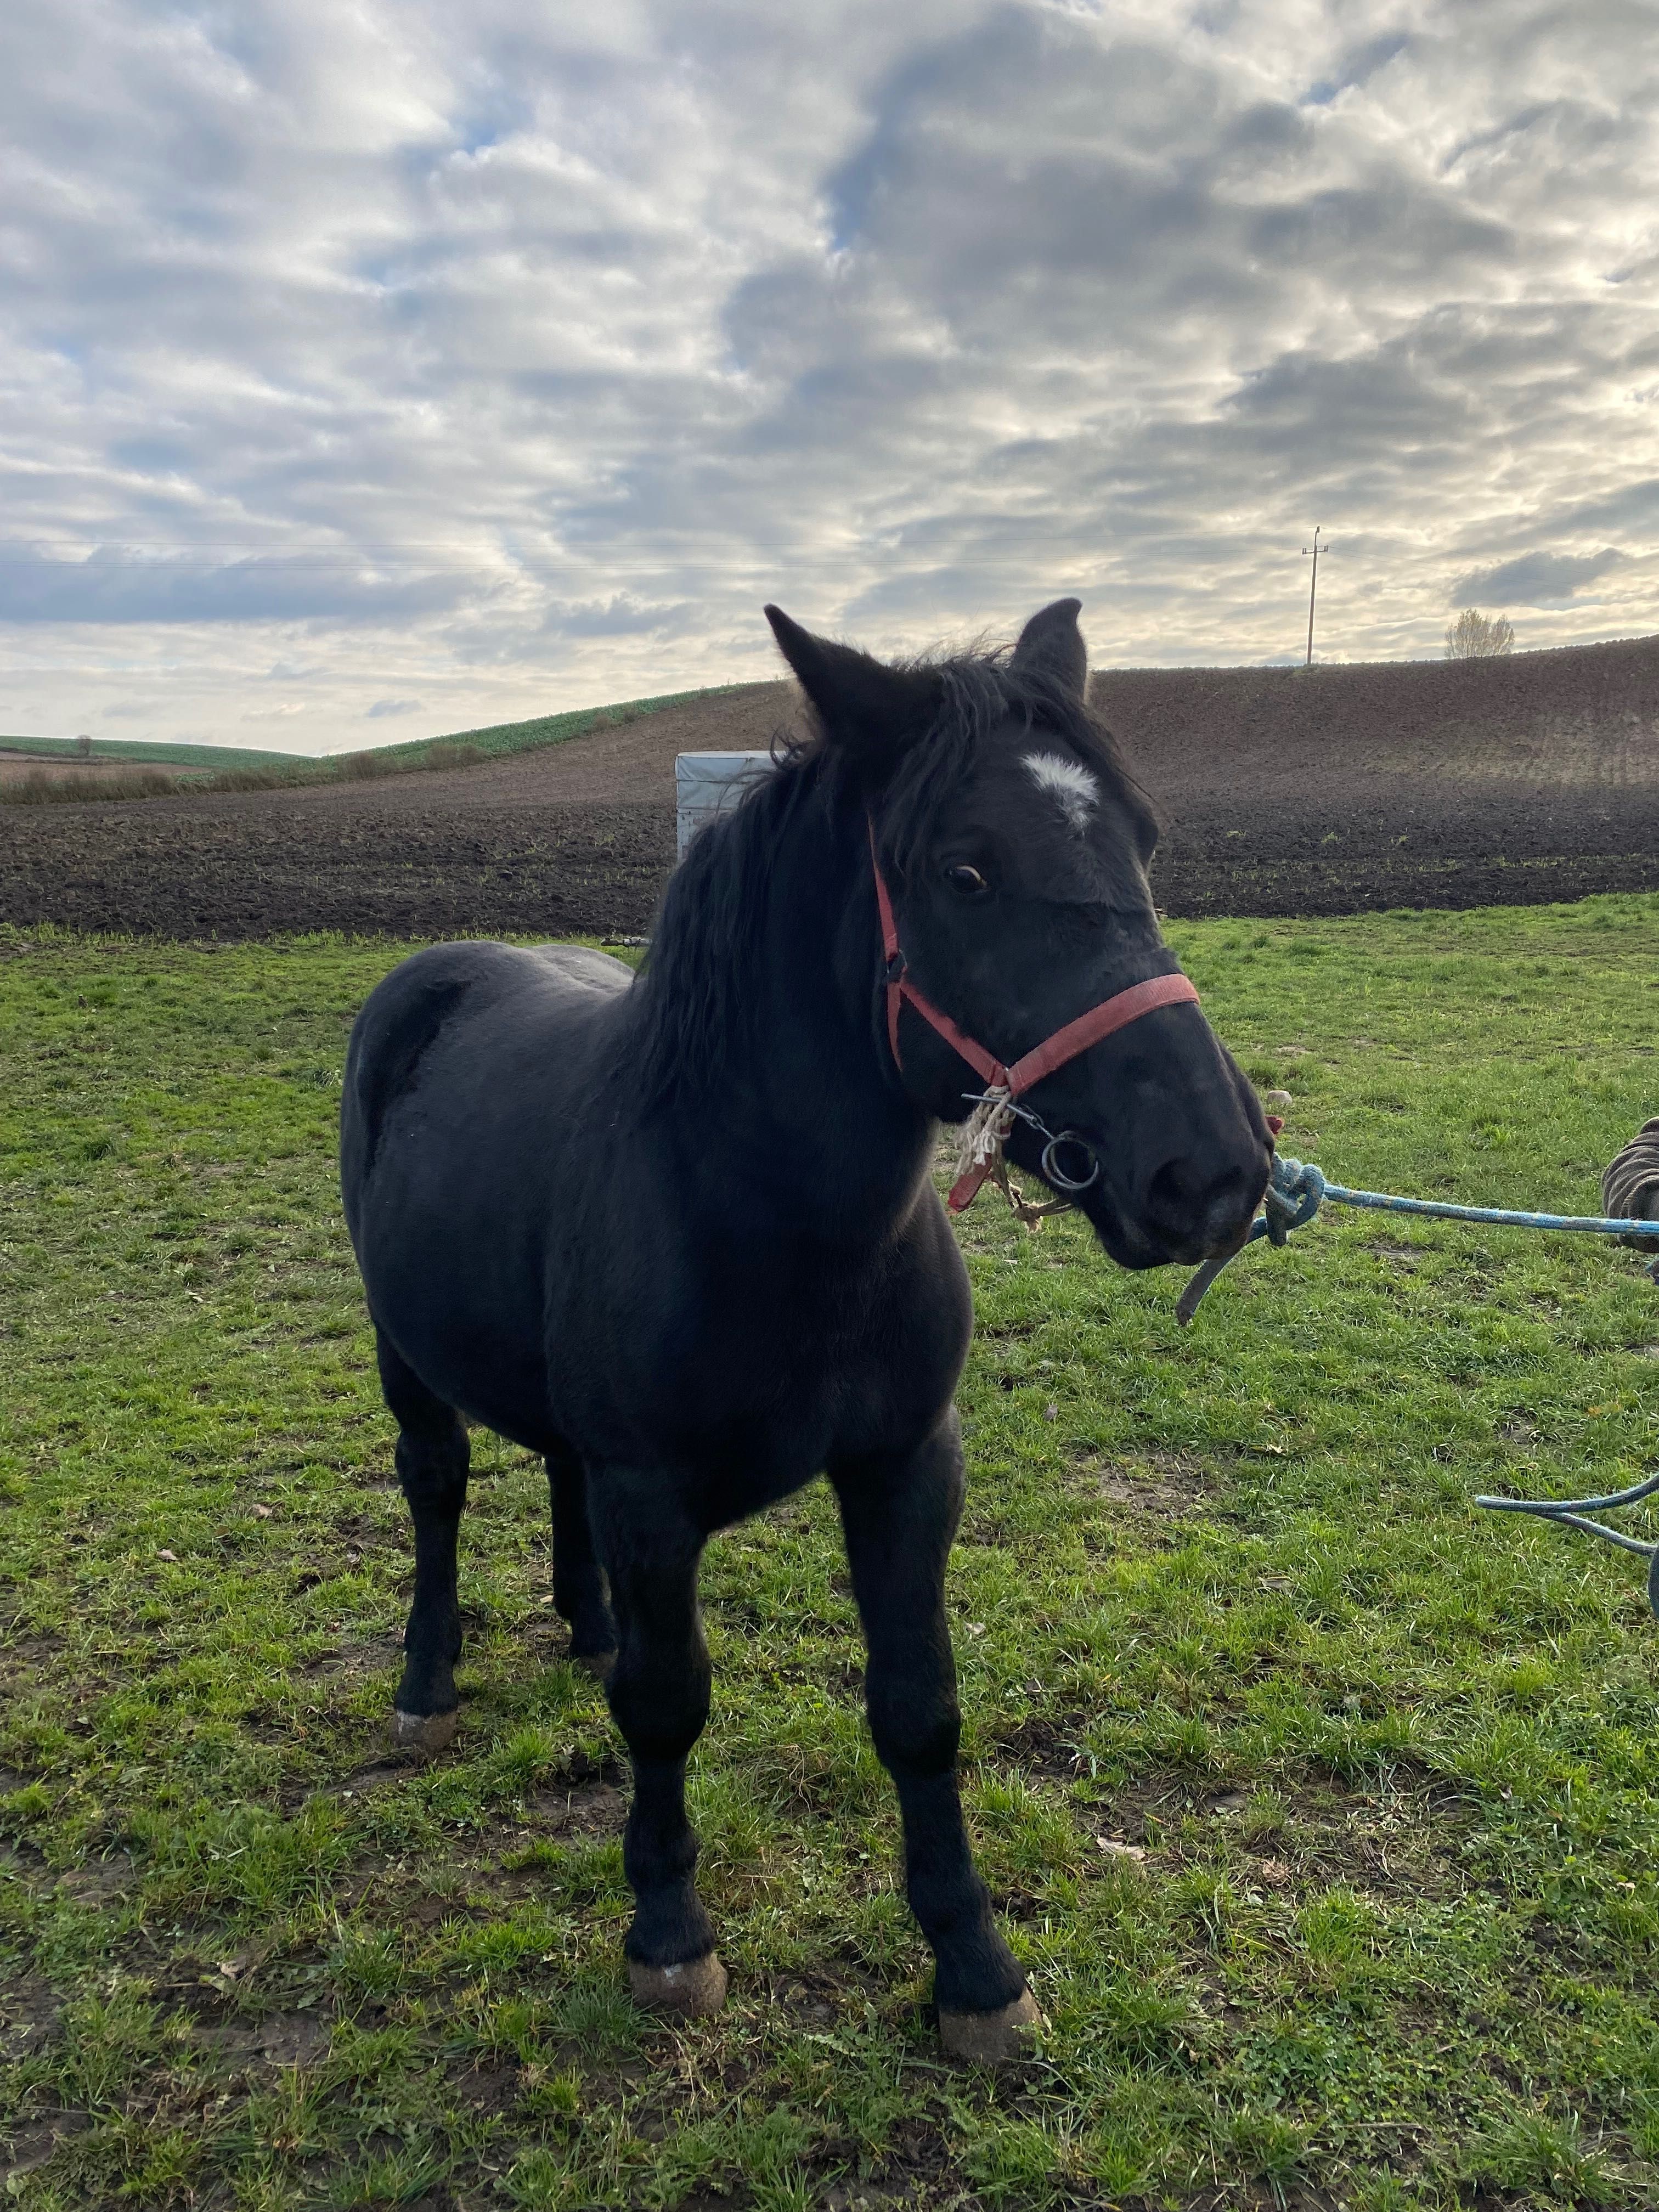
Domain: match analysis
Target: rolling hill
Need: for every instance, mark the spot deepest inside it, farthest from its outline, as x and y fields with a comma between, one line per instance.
x=1282, y=791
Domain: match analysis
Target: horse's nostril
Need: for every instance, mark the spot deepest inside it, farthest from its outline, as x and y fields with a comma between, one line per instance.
x=1188, y=1204
x=1171, y=1193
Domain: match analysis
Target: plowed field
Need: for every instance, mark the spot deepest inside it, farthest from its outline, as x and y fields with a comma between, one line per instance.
x=1282, y=791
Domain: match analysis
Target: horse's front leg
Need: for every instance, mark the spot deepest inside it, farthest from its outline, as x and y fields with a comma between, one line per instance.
x=900, y=1514
x=659, y=1694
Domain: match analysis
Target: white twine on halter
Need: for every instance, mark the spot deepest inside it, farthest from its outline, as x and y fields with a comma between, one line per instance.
x=980, y=1142
x=980, y=1159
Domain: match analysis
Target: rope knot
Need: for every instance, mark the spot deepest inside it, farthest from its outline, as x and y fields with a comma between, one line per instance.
x=1291, y=1198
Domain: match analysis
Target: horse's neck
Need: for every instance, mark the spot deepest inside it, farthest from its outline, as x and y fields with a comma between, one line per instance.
x=841, y=1146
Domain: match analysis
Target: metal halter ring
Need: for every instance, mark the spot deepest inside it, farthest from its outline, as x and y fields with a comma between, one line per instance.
x=1054, y=1174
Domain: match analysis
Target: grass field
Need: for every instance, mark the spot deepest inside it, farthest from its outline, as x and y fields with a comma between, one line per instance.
x=68, y=749
x=553, y=729
x=1321, y=1806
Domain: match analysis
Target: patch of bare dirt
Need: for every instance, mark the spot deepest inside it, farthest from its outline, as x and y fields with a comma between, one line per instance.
x=1306, y=1835
x=99, y=1880
x=28, y=2016
x=287, y=2038
x=33, y=2144
x=581, y=1808
x=352, y=1658
x=25, y=1659
x=1165, y=1486
x=1045, y=1747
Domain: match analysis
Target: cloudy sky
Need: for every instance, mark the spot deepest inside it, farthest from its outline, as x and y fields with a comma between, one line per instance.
x=377, y=369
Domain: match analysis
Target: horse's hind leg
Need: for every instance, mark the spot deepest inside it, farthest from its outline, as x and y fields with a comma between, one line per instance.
x=899, y=1515
x=433, y=1456
x=659, y=1692
x=578, y=1585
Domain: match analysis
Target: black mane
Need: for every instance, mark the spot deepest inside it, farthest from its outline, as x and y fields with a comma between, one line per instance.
x=696, y=996
x=693, y=1002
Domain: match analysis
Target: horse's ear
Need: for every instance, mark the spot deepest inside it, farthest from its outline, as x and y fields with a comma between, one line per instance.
x=1051, y=644
x=873, y=711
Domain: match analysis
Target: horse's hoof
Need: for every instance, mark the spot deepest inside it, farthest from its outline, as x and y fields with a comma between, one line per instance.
x=992, y=2039
x=423, y=1732
x=688, y=1991
x=599, y=1664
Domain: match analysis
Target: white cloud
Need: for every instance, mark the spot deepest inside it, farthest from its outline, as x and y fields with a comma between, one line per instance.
x=469, y=363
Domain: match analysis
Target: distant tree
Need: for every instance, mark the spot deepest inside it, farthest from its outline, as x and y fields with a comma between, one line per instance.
x=1479, y=637
x=83, y=746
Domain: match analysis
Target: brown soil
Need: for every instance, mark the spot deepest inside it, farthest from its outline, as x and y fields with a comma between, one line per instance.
x=1282, y=791
x=1507, y=782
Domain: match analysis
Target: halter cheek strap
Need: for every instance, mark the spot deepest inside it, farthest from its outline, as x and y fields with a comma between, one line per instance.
x=1004, y=1084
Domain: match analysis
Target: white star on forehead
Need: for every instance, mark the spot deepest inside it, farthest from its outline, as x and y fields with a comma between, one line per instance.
x=1068, y=782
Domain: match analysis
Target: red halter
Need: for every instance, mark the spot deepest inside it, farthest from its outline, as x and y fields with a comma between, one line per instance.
x=1113, y=1013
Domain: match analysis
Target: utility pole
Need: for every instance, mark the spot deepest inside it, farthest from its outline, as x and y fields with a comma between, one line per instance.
x=1314, y=549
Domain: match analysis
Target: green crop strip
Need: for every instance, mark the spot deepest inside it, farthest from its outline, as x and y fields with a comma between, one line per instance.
x=1322, y=1807
x=231, y=768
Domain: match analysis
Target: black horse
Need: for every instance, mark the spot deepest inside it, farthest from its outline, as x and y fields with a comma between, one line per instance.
x=573, y=1192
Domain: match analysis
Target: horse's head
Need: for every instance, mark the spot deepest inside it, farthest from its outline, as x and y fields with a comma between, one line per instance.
x=1016, y=848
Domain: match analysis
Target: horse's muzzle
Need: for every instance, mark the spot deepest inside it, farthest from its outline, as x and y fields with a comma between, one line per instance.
x=1182, y=1218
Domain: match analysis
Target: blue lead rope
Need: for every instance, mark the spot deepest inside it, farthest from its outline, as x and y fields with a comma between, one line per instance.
x=1294, y=1196
x=1295, y=1192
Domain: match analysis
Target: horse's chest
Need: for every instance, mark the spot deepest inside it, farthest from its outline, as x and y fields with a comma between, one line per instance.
x=759, y=1386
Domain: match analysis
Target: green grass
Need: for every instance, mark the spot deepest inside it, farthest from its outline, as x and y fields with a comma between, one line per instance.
x=141, y=748
x=1322, y=1807
x=554, y=729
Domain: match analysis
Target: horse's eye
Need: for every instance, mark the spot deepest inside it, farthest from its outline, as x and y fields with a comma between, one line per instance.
x=966, y=881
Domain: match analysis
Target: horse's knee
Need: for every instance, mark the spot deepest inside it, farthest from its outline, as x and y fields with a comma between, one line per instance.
x=659, y=1700
x=433, y=1464
x=916, y=1728
x=935, y=1480
x=659, y=1689
x=432, y=1459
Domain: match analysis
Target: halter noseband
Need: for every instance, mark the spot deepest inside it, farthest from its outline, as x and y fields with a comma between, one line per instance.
x=995, y=1112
